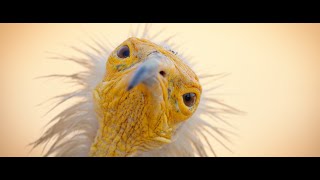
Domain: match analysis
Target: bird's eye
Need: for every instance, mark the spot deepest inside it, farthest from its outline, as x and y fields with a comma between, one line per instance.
x=189, y=99
x=123, y=52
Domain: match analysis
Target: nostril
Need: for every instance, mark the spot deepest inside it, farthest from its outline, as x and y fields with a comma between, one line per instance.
x=163, y=73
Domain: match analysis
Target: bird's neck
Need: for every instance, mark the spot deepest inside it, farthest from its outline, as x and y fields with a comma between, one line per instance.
x=126, y=122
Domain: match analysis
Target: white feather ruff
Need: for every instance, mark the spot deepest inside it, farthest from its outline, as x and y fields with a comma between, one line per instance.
x=73, y=130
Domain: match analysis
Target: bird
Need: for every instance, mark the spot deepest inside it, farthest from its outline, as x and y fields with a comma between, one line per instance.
x=140, y=98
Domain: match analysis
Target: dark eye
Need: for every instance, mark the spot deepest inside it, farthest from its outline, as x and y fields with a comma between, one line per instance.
x=189, y=99
x=123, y=52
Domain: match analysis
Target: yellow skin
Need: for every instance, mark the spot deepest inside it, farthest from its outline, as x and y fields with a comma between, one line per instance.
x=145, y=117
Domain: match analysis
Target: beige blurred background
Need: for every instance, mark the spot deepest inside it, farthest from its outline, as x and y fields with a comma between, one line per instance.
x=275, y=78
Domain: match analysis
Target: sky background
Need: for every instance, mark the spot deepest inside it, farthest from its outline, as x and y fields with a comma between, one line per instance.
x=275, y=79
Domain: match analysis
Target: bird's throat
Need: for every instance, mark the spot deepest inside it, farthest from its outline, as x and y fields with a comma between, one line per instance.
x=130, y=121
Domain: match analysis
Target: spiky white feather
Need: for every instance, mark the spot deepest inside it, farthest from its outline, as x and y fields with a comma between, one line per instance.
x=73, y=130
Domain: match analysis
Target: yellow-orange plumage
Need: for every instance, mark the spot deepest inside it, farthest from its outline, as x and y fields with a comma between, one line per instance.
x=145, y=117
x=138, y=99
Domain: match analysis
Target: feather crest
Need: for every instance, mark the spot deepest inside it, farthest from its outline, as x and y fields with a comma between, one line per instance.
x=73, y=130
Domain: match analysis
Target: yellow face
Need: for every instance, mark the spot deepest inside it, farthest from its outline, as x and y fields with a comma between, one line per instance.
x=145, y=95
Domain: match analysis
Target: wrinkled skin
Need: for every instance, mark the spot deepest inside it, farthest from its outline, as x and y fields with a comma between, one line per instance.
x=145, y=116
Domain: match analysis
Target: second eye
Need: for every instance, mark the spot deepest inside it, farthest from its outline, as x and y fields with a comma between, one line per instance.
x=123, y=52
x=189, y=99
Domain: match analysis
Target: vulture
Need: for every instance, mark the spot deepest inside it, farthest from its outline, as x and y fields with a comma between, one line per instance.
x=141, y=98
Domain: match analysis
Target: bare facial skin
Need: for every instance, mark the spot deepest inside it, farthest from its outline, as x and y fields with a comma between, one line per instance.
x=146, y=94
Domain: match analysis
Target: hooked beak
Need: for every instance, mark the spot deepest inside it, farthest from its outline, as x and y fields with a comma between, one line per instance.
x=147, y=72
